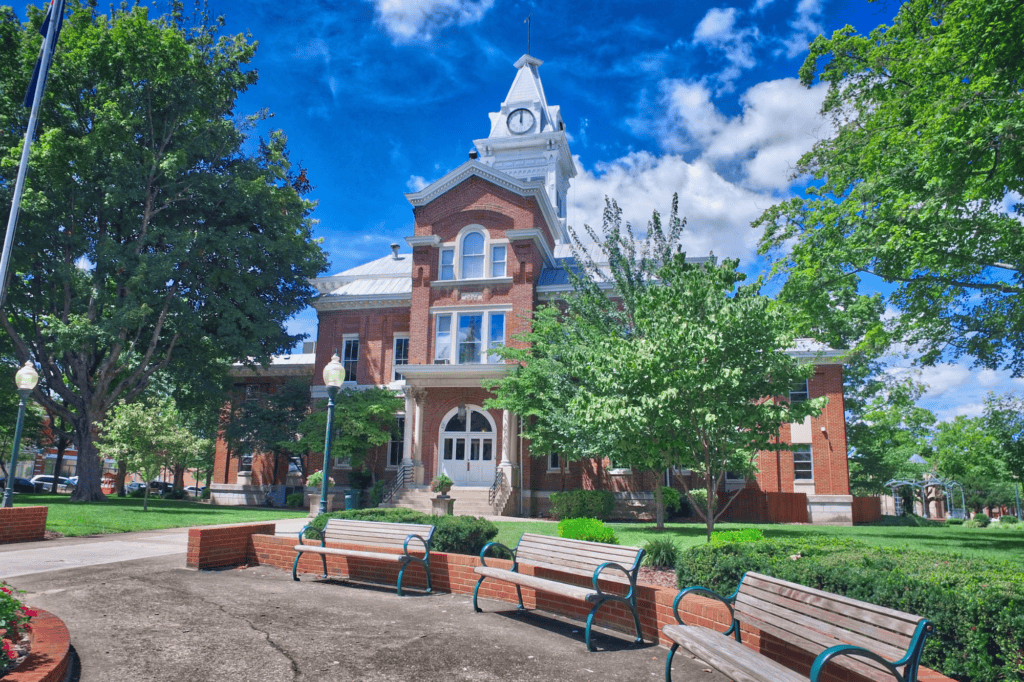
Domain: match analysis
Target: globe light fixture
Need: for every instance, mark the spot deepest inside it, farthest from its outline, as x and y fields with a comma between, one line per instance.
x=334, y=376
x=26, y=380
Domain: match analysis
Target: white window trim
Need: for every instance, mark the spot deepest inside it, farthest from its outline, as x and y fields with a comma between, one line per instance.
x=486, y=313
x=344, y=342
x=806, y=391
x=394, y=467
x=394, y=352
x=555, y=470
x=455, y=247
x=804, y=447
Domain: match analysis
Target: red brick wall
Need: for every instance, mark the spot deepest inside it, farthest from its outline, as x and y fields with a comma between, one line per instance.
x=22, y=524
x=828, y=447
x=218, y=546
x=376, y=328
x=454, y=573
x=51, y=651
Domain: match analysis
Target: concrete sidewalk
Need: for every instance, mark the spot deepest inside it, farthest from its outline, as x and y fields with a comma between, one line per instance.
x=152, y=619
x=51, y=555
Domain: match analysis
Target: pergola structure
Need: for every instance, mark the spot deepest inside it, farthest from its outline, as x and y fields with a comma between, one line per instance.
x=920, y=487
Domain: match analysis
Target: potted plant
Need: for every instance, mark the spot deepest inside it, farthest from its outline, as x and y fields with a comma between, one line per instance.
x=441, y=484
x=315, y=480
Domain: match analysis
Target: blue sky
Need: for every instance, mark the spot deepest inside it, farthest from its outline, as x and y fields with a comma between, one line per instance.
x=380, y=97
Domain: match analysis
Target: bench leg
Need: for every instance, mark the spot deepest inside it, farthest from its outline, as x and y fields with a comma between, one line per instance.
x=668, y=662
x=593, y=612
x=323, y=558
x=475, y=590
x=295, y=566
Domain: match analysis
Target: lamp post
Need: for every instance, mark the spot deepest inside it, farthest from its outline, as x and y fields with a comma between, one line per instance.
x=26, y=380
x=334, y=375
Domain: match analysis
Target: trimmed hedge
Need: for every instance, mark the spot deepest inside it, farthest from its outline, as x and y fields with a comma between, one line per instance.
x=977, y=606
x=582, y=504
x=455, y=534
x=591, y=530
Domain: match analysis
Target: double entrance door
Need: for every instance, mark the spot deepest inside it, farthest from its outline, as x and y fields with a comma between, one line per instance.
x=468, y=449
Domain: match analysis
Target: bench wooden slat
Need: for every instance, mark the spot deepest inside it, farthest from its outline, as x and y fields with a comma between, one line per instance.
x=820, y=623
x=588, y=573
x=317, y=549
x=574, y=591
x=547, y=548
x=728, y=656
x=899, y=621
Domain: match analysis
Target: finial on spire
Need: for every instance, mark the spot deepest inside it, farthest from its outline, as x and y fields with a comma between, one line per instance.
x=529, y=24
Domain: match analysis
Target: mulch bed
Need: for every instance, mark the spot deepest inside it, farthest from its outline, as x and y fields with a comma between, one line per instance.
x=659, y=577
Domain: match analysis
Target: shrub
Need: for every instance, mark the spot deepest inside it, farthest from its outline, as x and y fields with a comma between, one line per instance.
x=672, y=499
x=205, y=494
x=592, y=530
x=954, y=522
x=174, y=495
x=295, y=500
x=137, y=494
x=661, y=553
x=580, y=504
x=377, y=493
x=982, y=520
x=973, y=524
x=14, y=618
x=1007, y=519
x=359, y=479
x=700, y=499
x=455, y=534
x=976, y=606
x=720, y=537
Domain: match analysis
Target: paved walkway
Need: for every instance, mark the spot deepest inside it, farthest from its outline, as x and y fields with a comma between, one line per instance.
x=142, y=619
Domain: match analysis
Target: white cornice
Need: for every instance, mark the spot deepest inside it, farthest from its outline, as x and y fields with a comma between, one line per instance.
x=471, y=308
x=363, y=302
x=436, y=376
x=828, y=356
x=424, y=240
x=538, y=239
x=474, y=167
x=325, y=285
x=478, y=282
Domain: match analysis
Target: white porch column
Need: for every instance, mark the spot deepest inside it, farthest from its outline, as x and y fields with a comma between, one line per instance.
x=407, y=435
x=417, y=455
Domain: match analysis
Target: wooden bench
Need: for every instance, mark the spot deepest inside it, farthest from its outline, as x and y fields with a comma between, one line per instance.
x=871, y=641
x=594, y=560
x=392, y=536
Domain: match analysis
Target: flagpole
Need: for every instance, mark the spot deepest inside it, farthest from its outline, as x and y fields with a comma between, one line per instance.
x=56, y=12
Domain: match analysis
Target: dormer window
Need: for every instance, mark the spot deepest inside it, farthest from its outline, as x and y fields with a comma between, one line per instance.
x=473, y=256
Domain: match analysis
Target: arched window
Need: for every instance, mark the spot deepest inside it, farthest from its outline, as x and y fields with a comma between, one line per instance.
x=468, y=444
x=472, y=252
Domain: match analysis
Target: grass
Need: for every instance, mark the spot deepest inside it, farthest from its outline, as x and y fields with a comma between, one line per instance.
x=1000, y=544
x=122, y=515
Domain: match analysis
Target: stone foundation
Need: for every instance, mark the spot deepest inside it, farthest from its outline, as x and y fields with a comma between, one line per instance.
x=830, y=510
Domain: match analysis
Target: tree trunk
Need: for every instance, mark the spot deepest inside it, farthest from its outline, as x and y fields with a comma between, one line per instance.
x=62, y=445
x=179, y=477
x=659, y=502
x=122, y=473
x=90, y=467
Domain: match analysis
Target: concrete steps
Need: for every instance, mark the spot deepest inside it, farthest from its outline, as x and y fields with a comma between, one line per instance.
x=469, y=501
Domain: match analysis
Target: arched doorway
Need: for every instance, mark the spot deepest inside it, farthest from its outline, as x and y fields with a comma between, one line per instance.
x=468, y=447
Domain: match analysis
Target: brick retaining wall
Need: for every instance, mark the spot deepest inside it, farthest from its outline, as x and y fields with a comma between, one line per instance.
x=454, y=573
x=51, y=651
x=22, y=524
x=220, y=546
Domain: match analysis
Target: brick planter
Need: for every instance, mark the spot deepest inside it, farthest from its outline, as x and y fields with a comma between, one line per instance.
x=51, y=651
x=22, y=524
x=454, y=573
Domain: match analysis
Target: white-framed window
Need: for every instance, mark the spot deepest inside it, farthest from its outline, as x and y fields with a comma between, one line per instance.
x=447, y=264
x=350, y=357
x=803, y=464
x=396, y=445
x=475, y=334
x=472, y=255
x=400, y=356
x=554, y=462
x=252, y=392
x=499, y=259
x=798, y=393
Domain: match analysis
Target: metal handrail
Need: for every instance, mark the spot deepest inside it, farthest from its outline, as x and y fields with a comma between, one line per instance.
x=396, y=484
x=499, y=479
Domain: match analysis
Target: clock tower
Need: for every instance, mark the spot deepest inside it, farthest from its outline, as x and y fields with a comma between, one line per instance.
x=527, y=139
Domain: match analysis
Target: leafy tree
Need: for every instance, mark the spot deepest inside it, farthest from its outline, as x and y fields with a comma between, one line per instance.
x=678, y=369
x=271, y=424
x=363, y=419
x=149, y=436
x=890, y=429
x=1004, y=417
x=154, y=236
x=967, y=451
x=920, y=186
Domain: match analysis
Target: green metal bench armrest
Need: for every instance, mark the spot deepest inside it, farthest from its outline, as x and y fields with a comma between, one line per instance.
x=483, y=553
x=629, y=574
x=426, y=544
x=851, y=650
x=728, y=601
x=311, y=527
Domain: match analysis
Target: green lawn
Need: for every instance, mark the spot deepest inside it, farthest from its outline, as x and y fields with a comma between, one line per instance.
x=990, y=543
x=121, y=515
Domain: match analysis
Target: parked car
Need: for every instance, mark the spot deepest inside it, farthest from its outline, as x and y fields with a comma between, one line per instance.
x=21, y=485
x=133, y=486
x=194, y=491
x=160, y=487
x=43, y=482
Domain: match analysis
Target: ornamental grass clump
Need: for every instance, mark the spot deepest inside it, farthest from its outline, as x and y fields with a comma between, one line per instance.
x=661, y=553
x=14, y=621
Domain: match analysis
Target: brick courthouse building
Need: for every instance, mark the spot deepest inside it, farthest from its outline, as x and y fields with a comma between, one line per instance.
x=489, y=246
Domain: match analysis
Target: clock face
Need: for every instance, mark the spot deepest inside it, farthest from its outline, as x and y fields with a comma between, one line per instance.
x=520, y=121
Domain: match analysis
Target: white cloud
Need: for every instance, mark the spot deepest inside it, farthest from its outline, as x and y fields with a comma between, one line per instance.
x=418, y=20
x=718, y=31
x=415, y=183
x=718, y=212
x=778, y=124
x=805, y=27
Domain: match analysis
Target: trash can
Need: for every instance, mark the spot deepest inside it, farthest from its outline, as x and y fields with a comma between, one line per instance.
x=352, y=499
